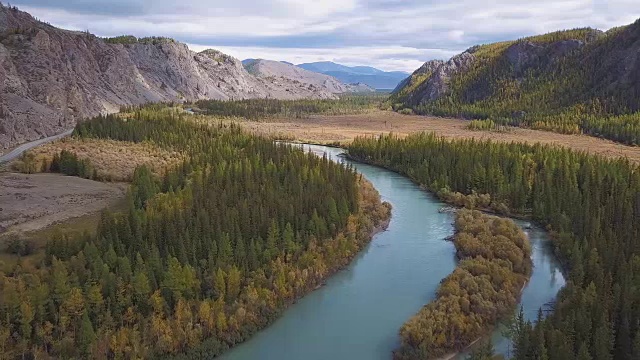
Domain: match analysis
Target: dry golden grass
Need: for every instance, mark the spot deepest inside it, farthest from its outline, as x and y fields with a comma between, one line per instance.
x=114, y=160
x=343, y=129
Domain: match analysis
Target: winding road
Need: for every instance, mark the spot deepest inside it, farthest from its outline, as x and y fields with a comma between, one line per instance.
x=26, y=146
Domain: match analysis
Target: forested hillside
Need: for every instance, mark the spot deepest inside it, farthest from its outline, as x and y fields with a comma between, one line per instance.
x=590, y=204
x=575, y=81
x=203, y=257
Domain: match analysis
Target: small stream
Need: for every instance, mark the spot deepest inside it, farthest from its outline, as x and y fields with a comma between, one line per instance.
x=359, y=311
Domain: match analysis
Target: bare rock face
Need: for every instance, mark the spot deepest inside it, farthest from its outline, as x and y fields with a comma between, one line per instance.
x=521, y=54
x=426, y=69
x=430, y=67
x=51, y=78
x=438, y=75
x=525, y=54
x=438, y=84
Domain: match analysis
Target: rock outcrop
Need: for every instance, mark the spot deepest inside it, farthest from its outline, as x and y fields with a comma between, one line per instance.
x=51, y=78
x=438, y=83
x=431, y=80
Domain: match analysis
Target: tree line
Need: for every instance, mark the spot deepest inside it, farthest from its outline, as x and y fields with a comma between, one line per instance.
x=590, y=204
x=202, y=257
x=265, y=108
x=64, y=162
x=495, y=263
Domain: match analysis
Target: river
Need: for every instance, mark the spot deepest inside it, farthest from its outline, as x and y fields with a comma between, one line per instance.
x=359, y=311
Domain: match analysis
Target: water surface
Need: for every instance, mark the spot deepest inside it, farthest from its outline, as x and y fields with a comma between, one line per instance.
x=359, y=311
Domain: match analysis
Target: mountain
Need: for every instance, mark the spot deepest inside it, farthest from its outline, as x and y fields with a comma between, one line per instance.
x=574, y=81
x=325, y=66
x=51, y=78
x=373, y=77
x=282, y=71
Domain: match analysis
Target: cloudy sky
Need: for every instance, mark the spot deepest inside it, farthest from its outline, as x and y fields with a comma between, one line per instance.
x=388, y=34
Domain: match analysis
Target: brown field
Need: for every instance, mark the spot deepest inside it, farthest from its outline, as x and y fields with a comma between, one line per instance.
x=343, y=129
x=114, y=160
x=32, y=202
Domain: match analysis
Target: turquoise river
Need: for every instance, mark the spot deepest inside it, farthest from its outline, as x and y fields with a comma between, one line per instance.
x=359, y=311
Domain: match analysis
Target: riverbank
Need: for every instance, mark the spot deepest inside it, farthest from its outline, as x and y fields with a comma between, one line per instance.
x=330, y=256
x=494, y=265
x=357, y=313
x=504, y=213
x=496, y=211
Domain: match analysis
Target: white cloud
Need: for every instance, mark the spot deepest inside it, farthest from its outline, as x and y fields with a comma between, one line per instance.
x=392, y=34
x=393, y=58
x=194, y=25
x=316, y=8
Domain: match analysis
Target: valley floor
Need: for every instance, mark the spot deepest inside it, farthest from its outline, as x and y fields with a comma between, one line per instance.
x=36, y=201
x=344, y=128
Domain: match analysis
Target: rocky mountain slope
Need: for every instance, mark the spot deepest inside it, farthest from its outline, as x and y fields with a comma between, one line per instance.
x=474, y=74
x=50, y=78
x=279, y=71
x=574, y=81
x=373, y=77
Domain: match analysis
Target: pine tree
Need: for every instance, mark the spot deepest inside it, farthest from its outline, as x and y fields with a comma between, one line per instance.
x=86, y=335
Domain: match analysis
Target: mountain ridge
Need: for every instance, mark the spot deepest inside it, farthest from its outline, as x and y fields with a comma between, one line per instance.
x=51, y=78
x=572, y=81
x=371, y=76
x=271, y=69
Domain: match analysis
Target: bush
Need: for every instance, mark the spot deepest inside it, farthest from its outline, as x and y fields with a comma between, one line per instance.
x=27, y=164
x=20, y=247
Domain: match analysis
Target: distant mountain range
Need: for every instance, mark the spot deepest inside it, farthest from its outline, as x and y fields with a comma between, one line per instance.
x=373, y=77
x=275, y=70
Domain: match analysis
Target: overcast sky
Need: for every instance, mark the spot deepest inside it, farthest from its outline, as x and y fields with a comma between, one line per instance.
x=387, y=34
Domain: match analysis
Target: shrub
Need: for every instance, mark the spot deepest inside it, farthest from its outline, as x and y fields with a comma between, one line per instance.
x=20, y=247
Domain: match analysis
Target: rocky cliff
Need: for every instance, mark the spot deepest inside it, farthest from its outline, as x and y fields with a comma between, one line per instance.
x=51, y=78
